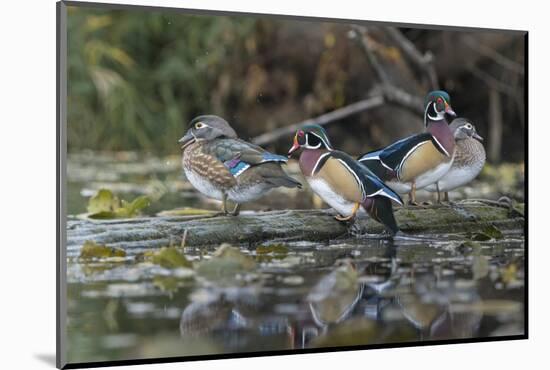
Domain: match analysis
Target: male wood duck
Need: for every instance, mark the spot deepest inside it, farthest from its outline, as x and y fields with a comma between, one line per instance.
x=418, y=160
x=468, y=161
x=222, y=166
x=341, y=181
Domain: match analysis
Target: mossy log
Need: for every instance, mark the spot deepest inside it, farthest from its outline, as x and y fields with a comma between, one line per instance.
x=135, y=234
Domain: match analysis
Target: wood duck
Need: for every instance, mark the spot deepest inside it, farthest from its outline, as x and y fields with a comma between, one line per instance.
x=468, y=161
x=341, y=181
x=222, y=166
x=418, y=160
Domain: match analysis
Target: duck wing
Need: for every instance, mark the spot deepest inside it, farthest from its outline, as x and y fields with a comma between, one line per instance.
x=371, y=185
x=238, y=155
x=393, y=156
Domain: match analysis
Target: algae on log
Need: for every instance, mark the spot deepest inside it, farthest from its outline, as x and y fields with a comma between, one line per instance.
x=134, y=235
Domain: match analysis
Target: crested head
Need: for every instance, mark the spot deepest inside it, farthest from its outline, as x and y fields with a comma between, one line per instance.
x=207, y=127
x=463, y=128
x=311, y=137
x=433, y=95
x=436, y=104
x=219, y=127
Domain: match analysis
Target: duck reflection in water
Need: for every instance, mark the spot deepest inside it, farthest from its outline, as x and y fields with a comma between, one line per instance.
x=379, y=297
x=373, y=300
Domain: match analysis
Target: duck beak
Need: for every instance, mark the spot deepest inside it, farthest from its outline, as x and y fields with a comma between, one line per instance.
x=186, y=140
x=476, y=136
x=295, y=146
x=449, y=110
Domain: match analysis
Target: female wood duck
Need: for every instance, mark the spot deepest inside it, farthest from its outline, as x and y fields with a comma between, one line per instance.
x=418, y=160
x=341, y=181
x=468, y=161
x=222, y=166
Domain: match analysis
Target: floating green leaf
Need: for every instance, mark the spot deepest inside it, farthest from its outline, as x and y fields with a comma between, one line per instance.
x=106, y=205
x=103, y=201
x=170, y=257
x=92, y=250
x=225, y=263
x=490, y=232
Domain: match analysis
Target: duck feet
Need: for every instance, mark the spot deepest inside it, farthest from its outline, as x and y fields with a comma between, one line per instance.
x=416, y=204
x=351, y=217
x=344, y=218
x=225, y=212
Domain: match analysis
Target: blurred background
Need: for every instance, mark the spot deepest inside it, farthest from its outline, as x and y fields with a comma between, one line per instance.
x=135, y=79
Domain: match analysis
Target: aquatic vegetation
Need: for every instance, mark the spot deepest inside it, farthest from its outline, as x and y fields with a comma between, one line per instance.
x=105, y=205
x=92, y=250
x=168, y=257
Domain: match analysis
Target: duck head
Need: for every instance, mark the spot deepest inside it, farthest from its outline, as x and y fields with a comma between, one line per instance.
x=463, y=128
x=207, y=127
x=310, y=137
x=436, y=105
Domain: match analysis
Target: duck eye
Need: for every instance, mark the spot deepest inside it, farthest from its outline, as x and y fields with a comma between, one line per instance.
x=199, y=125
x=469, y=126
x=439, y=104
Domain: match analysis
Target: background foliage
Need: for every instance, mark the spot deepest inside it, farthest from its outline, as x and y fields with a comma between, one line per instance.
x=136, y=78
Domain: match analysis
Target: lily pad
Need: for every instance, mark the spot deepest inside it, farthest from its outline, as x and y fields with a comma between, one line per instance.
x=92, y=250
x=106, y=205
x=490, y=232
x=226, y=262
x=169, y=257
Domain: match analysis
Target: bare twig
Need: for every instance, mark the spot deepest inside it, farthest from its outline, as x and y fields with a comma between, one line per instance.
x=335, y=115
x=366, y=43
x=423, y=61
x=494, y=55
x=401, y=97
x=391, y=92
x=385, y=91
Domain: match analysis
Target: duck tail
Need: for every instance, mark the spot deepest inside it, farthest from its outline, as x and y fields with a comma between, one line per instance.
x=380, y=209
x=289, y=182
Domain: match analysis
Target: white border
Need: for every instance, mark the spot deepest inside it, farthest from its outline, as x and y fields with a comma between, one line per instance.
x=28, y=182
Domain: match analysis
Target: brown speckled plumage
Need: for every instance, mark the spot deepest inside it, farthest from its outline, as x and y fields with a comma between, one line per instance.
x=468, y=160
x=205, y=165
x=221, y=166
x=469, y=152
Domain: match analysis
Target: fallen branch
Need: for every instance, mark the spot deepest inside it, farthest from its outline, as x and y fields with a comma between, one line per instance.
x=424, y=62
x=335, y=115
x=391, y=93
x=367, y=44
x=136, y=235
